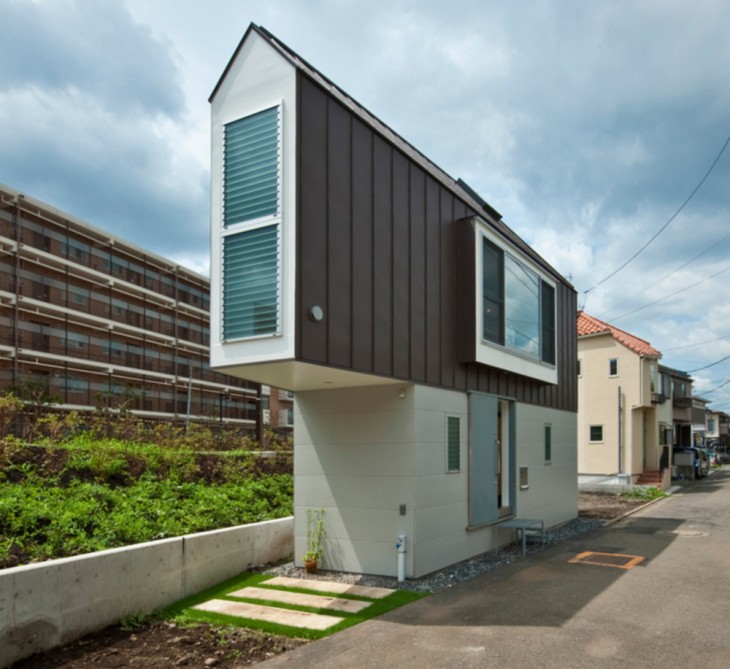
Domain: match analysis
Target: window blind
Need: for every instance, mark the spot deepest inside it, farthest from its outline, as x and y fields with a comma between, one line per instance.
x=251, y=283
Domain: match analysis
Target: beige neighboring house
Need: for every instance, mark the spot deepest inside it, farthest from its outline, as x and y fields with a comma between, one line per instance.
x=622, y=429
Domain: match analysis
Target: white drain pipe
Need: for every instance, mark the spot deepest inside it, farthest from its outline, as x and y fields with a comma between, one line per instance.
x=400, y=547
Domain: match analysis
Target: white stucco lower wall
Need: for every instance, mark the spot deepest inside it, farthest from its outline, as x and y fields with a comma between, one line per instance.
x=362, y=453
x=552, y=493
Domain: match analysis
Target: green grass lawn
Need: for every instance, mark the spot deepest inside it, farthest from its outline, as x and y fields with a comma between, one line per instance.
x=183, y=614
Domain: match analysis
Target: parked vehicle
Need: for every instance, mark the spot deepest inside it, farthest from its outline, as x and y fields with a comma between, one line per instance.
x=690, y=459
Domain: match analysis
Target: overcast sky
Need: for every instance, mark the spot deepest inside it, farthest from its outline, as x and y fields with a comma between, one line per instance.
x=587, y=125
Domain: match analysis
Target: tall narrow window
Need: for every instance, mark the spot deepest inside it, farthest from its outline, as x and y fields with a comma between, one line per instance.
x=251, y=266
x=453, y=444
x=613, y=367
x=548, y=443
x=493, y=293
x=547, y=322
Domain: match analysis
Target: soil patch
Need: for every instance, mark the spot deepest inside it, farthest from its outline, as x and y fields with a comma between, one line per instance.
x=606, y=506
x=165, y=645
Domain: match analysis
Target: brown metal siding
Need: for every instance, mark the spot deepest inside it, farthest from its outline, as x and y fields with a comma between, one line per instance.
x=381, y=250
x=362, y=247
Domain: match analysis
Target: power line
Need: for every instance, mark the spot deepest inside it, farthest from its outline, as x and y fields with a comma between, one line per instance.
x=707, y=392
x=664, y=278
x=671, y=218
x=699, y=343
x=699, y=369
x=666, y=297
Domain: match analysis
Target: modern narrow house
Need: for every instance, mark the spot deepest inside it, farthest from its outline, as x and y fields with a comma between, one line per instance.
x=624, y=424
x=431, y=350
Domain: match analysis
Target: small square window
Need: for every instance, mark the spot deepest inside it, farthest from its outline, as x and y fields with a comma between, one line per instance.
x=596, y=432
x=613, y=367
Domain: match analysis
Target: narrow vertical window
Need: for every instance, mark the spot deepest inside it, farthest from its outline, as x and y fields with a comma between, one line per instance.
x=613, y=367
x=251, y=249
x=453, y=442
x=547, y=322
x=493, y=293
x=548, y=443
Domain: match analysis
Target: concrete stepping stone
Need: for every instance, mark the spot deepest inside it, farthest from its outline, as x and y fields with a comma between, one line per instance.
x=270, y=614
x=333, y=587
x=301, y=599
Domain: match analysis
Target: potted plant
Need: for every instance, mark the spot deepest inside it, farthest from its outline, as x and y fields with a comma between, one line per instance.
x=315, y=535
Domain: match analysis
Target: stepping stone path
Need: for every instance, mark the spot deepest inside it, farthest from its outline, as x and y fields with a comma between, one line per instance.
x=301, y=599
x=336, y=599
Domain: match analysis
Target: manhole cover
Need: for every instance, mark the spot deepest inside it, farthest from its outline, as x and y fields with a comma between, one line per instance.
x=617, y=560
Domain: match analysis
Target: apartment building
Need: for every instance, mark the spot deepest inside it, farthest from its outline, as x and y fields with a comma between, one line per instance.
x=94, y=321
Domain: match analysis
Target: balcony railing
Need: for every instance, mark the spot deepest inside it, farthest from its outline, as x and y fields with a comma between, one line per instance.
x=658, y=398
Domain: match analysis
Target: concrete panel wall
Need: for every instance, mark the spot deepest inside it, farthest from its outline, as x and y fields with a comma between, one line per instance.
x=362, y=452
x=552, y=494
x=354, y=457
x=49, y=603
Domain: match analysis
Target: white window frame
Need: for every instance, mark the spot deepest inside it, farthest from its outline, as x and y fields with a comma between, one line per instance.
x=253, y=224
x=503, y=356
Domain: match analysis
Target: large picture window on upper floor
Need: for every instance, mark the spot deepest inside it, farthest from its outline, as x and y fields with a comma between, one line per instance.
x=518, y=306
x=251, y=252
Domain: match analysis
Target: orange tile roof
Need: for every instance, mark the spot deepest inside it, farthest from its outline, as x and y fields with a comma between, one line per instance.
x=589, y=325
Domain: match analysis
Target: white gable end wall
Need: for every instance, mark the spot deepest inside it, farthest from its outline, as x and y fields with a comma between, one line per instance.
x=258, y=78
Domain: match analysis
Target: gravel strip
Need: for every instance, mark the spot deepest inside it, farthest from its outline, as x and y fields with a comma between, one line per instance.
x=453, y=574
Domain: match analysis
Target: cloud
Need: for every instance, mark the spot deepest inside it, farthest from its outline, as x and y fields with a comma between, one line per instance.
x=94, y=122
x=91, y=46
x=585, y=124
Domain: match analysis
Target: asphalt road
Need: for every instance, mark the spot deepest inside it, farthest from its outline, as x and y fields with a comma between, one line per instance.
x=670, y=609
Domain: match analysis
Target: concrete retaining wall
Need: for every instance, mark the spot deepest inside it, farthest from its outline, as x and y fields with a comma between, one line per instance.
x=50, y=603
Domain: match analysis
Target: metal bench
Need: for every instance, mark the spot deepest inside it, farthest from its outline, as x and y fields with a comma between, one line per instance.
x=524, y=525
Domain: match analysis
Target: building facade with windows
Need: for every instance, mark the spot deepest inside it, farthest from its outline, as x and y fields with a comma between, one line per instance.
x=432, y=351
x=625, y=424
x=94, y=321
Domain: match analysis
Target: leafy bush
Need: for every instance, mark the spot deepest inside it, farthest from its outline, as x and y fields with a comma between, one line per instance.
x=87, y=495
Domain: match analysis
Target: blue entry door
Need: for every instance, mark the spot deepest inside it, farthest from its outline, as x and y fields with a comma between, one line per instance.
x=484, y=452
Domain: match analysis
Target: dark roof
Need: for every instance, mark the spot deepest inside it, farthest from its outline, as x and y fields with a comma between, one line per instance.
x=458, y=187
x=674, y=372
